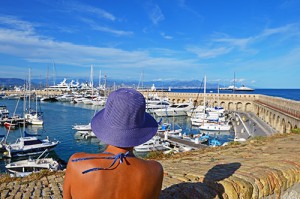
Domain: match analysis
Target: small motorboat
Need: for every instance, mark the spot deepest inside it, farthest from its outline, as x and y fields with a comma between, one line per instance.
x=82, y=127
x=11, y=125
x=154, y=144
x=25, y=146
x=25, y=167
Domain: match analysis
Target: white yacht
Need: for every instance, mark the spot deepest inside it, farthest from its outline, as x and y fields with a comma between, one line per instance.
x=99, y=101
x=34, y=118
x=65, y=98
x=82, y=127
x=3, y=111
x=215, y=127
x=25, y=146
x=244, y=88
x=157, y=105
x=154, y=144
x=62, y=86
x=85, y=134
x=179, y=109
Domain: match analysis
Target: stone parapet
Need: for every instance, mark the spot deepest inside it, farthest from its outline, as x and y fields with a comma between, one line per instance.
x=260, y=168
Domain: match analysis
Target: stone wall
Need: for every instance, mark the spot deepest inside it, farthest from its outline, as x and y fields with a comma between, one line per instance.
x=260, y=168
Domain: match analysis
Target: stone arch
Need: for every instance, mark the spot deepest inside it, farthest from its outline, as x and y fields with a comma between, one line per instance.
x=222, y=104
x=273, y=120
x=289, y=127
x=283, y=126
x=230, y=106
x=215, y=103
x=195, y=103
x=178, y=101
x=295, y=127
x=201, y=102
x=239, y=106
x=263, y=115
x=270, y=117
x=248, y=107
x=278, y=123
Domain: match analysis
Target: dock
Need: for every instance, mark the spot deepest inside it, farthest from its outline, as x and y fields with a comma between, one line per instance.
x=182, y=142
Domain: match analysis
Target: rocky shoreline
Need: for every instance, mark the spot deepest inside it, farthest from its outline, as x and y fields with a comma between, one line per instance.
x=264, y=167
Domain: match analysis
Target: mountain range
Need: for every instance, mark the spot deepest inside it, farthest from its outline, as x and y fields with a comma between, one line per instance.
x=41, y=83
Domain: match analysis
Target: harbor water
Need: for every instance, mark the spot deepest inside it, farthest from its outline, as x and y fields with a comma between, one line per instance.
x=60, y=117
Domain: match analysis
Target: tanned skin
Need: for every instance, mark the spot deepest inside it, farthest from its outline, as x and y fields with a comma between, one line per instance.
x=133, y=179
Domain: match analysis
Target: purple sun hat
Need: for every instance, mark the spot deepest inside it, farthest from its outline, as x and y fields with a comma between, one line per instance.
x=123, y=122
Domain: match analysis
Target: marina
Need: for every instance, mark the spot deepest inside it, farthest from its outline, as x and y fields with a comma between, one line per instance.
x=64, y=121
x=60, y=119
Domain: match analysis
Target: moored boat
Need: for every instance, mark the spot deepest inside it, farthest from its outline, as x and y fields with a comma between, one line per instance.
x=25, y=146
x=154, y=144
x=23, y=168
x=179, y=109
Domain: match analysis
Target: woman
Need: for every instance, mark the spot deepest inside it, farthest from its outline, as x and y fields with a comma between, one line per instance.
x=117, y=173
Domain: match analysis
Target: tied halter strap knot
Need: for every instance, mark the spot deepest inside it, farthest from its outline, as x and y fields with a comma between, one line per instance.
x=120, y=156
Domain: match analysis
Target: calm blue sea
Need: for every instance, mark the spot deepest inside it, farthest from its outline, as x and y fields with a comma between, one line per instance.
x=60, y=117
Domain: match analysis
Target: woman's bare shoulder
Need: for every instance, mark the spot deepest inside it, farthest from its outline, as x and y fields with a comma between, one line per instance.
x=78, y=155
x=152, y=165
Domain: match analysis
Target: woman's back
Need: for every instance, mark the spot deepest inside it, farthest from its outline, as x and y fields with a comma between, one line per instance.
x=134, y=178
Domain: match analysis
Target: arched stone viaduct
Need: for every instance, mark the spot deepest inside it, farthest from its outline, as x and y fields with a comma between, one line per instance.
x=282, y=114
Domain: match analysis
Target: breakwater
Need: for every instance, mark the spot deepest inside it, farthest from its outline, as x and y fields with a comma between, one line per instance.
x=260, y=168
x=280, y=113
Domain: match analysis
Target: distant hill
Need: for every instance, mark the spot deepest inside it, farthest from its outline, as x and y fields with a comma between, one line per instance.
x=38, y=83
x=8, y=82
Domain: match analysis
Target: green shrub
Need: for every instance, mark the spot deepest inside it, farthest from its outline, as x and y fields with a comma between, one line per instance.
x=297, y=130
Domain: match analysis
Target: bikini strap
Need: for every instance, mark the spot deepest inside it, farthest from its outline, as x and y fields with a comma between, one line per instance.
x=120, y=156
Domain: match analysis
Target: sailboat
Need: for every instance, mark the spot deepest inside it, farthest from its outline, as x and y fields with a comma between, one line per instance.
x=213, y=126
x=33, y=117
x=25, y=146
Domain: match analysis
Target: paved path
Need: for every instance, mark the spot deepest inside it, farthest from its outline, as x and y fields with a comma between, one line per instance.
x=251, y=127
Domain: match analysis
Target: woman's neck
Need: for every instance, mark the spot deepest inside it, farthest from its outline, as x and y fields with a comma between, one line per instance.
x=116, y=150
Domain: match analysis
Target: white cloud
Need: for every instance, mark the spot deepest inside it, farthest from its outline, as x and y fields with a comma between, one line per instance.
x=43, y=50
x=156, y=15
x=95, y=26
x=16, y=24
x=287, y=29
x=209, y=53
x=83, y=8
x=241, y=43
x=166, y=36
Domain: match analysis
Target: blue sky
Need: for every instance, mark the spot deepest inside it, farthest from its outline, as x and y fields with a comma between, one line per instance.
x=258, y=40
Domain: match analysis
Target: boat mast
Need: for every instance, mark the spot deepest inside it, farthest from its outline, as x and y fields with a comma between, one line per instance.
x=218, y=95
x=204, y=96
x=24, y=112
x=54, y=73
x=233, y=82
x=100, y=79
x=29, y=89
x=91, y=80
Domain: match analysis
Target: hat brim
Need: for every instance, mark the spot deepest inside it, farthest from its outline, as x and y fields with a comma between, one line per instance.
x=123, y=137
